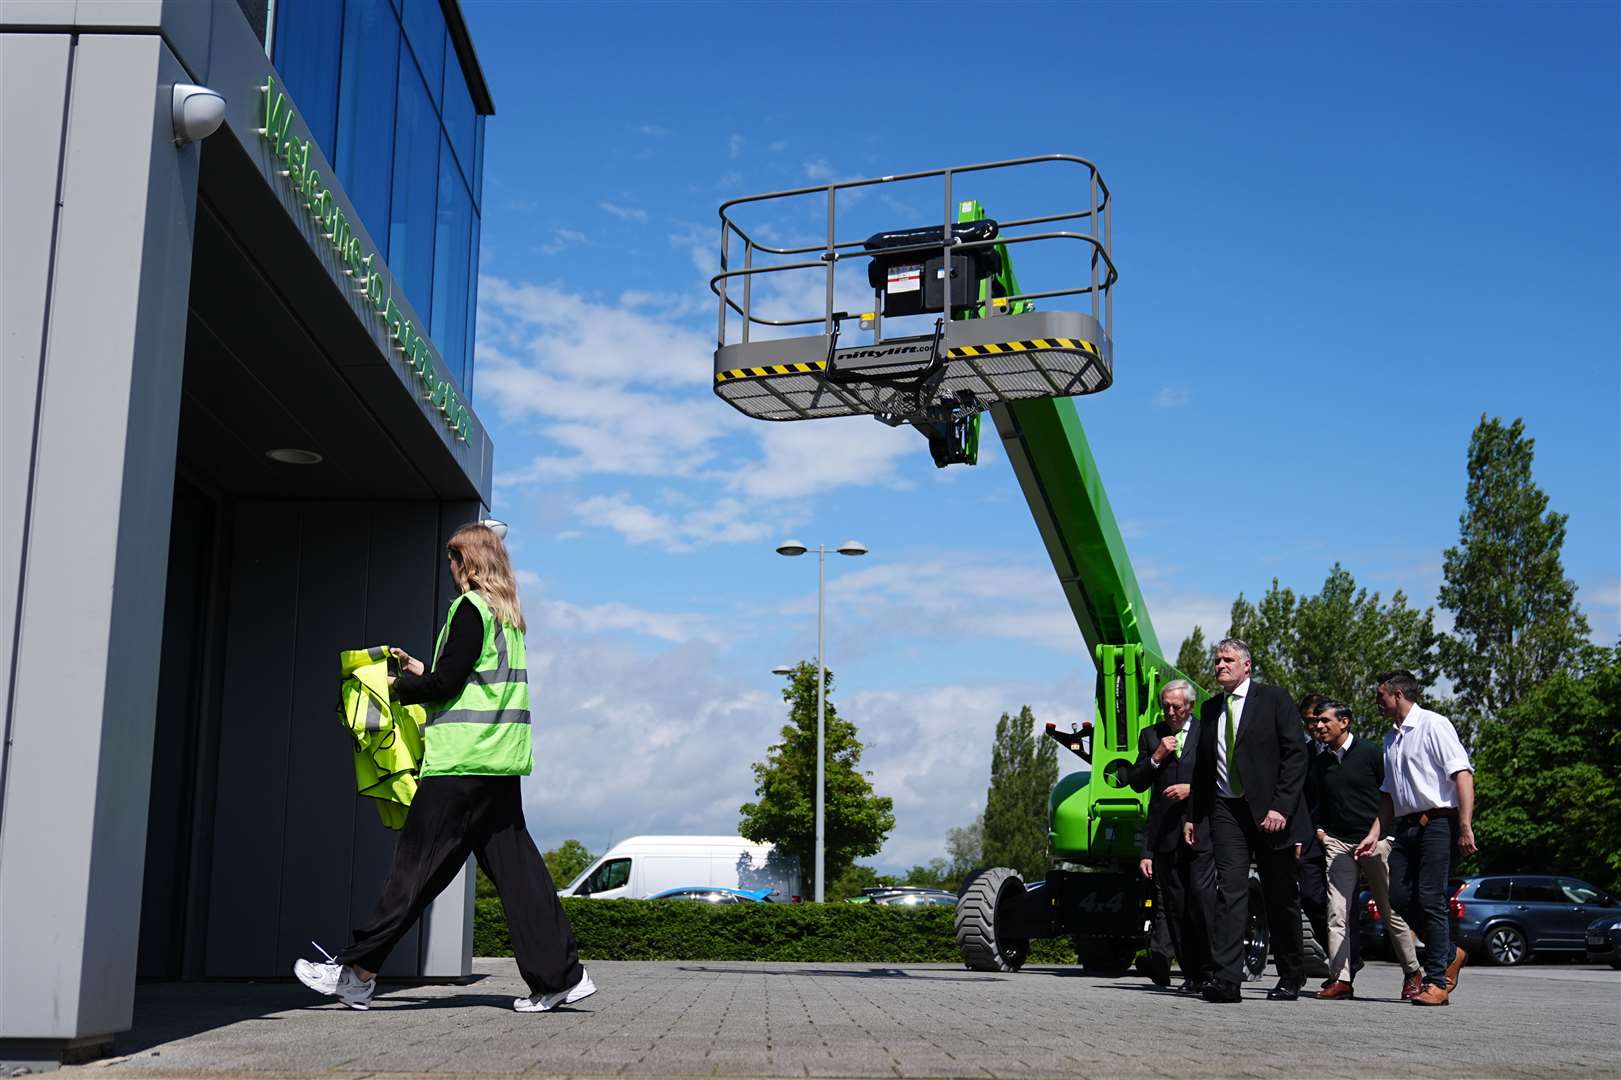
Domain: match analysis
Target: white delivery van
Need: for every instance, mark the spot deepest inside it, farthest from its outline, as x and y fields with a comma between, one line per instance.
x=644, y=865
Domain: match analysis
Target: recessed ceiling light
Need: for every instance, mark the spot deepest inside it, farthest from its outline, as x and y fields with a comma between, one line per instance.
x=290, y=456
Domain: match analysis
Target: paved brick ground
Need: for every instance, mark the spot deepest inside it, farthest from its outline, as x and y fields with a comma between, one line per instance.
x=776, y=1020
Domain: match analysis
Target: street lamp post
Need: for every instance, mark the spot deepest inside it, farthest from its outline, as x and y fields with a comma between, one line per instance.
x=791, y=548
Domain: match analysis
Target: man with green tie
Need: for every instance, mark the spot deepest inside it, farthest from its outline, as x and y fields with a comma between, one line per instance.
x=1249, y=770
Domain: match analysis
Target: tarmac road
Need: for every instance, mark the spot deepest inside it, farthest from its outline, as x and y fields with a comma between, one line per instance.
x=855, y=1020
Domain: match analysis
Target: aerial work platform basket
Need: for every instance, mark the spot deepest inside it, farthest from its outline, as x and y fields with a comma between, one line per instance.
x=989, y=344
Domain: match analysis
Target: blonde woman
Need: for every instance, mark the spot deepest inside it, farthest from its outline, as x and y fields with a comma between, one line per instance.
x=468, y=802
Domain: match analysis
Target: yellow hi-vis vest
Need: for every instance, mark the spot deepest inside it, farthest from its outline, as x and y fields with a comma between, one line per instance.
x=387, y=735
x=484, y=730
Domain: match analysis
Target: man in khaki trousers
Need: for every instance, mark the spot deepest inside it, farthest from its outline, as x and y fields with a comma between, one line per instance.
x=1342, y=787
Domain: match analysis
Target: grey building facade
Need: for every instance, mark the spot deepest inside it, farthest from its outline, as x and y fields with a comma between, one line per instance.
x=235, y=432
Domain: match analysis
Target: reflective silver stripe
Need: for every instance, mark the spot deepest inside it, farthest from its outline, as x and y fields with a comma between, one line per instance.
x=379, y=653
x=478, y=716
x=498, y=676
x=374, y=715
x=501, y=673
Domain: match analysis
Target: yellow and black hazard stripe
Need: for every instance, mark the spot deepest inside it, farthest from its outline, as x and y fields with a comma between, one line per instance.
x=962, y=352
x=1078, y=344
x=771, y=369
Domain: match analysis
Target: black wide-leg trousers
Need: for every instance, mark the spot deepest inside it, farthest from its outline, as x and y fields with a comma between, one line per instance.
x=1185, y=881
x=452, y=817
x=1234, y=840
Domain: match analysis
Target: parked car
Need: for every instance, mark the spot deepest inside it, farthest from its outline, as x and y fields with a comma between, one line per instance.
x=1506, y=918
x=1371, y=925
x=909, y=896
x=1604, y=941
x=714, y=894
x=639, y=867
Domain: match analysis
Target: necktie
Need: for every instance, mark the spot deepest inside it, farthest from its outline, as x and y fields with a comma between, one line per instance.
x=1181, y=738
x=1235, y=782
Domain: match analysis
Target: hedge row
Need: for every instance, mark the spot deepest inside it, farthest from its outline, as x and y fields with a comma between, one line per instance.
x=802, y=933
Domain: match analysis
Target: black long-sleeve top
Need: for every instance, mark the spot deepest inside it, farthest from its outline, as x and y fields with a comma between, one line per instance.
x=454, y=666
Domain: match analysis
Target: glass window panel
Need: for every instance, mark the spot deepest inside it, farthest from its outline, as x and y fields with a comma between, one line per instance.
x=1537, y=891
x=478, y=169
x=365, y=151
x=460, y=119
x=425, y=30
x=413, y=213
x=448, y=322
x=306, y=46
x=472, y=309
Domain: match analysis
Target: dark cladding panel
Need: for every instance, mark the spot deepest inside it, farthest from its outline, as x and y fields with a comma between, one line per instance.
x=401, y=588
x=255, y=707
x=334, y=548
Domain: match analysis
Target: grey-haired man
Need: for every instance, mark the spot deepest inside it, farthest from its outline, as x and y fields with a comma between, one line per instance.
x=1184, y=877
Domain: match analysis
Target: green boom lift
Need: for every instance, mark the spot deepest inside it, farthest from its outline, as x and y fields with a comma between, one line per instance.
x=989, y=350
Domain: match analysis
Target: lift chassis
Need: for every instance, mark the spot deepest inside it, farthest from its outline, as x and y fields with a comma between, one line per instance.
x=989, y=350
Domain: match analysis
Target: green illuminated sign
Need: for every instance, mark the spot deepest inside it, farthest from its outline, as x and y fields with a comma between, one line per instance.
x=365, y=268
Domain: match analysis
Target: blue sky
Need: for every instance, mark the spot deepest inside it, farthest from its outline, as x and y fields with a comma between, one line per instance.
x=1344, y=233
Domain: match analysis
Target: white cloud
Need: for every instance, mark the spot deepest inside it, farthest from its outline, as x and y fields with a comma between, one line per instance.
x=721, y=521
x=654, y=130
x=734, y=146
x=818, y=169
x=808, y=457
x=779, y=146
x=631, y=741
x=1169, y=397
x=930, y=751
x=562, y=240
x=624, y=213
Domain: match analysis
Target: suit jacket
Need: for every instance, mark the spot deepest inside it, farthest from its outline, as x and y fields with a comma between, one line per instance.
x=1163, y=832
x=1271, y=752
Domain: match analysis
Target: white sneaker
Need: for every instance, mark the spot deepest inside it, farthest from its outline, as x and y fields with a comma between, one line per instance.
x=547, y=1002
x=336, y=980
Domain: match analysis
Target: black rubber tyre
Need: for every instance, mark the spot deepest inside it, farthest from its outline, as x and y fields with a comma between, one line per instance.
x=1257, y=938
x=1107, y=959
x=1506, y=945
x=988, y=906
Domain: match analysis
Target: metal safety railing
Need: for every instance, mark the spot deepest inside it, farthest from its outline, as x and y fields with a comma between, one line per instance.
x=1098, y=213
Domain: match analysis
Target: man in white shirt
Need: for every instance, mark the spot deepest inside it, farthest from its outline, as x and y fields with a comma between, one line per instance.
x=1427, y=808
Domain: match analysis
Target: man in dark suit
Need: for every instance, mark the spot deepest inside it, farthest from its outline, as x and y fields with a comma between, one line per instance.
x=1249, y=769
x=1184, y=877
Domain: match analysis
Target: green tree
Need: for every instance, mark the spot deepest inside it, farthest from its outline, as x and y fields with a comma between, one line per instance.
x=1023, y=771
x=784, y=810
x=566, y=860
x=1193, y=659
x=1337, y=642
x=1515, y=618
x=965, y=848
x=853, y=879
x=1548, y=779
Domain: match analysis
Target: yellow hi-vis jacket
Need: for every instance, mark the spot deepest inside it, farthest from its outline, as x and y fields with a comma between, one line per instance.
x=387, y=735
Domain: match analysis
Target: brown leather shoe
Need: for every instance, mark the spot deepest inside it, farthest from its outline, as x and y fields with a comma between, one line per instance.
x=1412, y=985
x=1459, y=958
x=1432, y=995
x=1339, y=990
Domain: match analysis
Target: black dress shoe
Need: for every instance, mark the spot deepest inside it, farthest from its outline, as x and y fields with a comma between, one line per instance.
x=1221, y=992
x=1191, y=986
x=1284, y=991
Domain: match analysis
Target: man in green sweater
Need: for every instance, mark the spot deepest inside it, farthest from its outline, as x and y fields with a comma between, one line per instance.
x=1342, y=790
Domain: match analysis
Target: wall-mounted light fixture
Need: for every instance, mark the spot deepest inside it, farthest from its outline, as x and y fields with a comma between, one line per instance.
x=196, y=112
x=288, y=455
